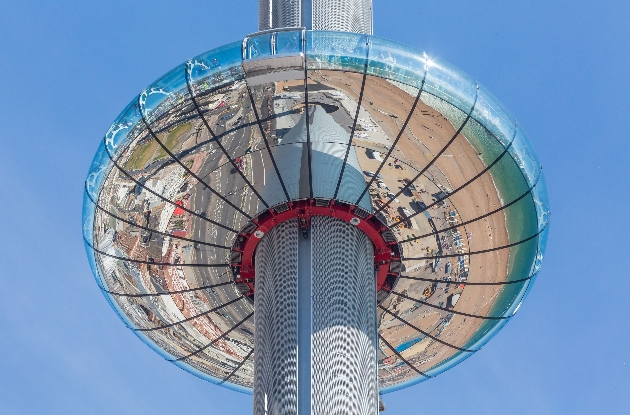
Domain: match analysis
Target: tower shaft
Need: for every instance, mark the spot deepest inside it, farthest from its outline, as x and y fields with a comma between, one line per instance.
x=338, y=15
x=315, y=321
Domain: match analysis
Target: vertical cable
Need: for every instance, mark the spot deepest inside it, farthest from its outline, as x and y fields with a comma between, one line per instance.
x=220, y=196
x=430, y=163
x=356, y=116
x=402, y=130
x=308, y=132
x=264, y=136
x=216, y=139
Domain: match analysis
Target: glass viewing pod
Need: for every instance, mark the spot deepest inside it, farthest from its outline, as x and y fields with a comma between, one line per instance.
x=417, y=150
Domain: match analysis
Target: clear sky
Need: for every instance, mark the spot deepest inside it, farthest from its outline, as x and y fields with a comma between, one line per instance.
x=67, y=68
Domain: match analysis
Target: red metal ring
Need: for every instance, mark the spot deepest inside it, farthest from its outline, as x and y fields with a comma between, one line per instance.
x=386, y=251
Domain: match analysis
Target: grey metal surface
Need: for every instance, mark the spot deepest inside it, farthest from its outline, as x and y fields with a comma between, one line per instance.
x=338, y=15
x=276, y=335
x=279, y=13
x=316, y=321
x=305, y=323
x=329, y=142
x=344, y=375
x=343, y=15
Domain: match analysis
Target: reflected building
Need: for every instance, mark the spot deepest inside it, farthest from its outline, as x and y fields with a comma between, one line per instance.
x=316, y=217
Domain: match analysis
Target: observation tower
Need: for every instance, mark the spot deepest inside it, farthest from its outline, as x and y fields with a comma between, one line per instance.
x=315, y=215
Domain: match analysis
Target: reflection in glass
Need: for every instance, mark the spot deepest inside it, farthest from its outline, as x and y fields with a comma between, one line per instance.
x=259, y=46
x=288, y=43
x=225, y=137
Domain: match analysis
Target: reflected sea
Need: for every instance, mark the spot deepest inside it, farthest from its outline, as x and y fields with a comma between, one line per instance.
x=522, y=223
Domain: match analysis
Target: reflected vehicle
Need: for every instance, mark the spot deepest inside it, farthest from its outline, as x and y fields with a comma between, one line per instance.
x=175, y=203
x=404, y=211
x=372, y=174
x=418, y=205
x=373, y=154
x=238, y=162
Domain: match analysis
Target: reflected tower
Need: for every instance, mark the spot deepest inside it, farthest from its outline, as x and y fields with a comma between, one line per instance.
x=315, y=215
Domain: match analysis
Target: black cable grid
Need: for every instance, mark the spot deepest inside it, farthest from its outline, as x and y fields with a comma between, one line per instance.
x=264, y=136
x=405, y=361
x=356, y=117
x=165, y=199
x=426, y=333
x=196, y=352
x=177, y=323
x=216, y=139
x=199, y=179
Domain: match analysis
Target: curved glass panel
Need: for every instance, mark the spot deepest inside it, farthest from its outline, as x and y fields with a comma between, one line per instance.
x=258, y=46
x=216, y=68
x=124, y=129
x=89, y=209
x=490, y=113
x=98, y=171
x=234, y=134
x=163, y=94
x=529, y=289
x=541, y=199
x=542, y=247
x=525, y=157
x=396, y=62
x=336, y=50
x=451, y=84
x=288, y=43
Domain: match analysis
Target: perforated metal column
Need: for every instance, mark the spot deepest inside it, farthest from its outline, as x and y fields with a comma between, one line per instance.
x=275, y=333
x=343, y=15
x=336, y=274
x=338, y=15
x=344, y=371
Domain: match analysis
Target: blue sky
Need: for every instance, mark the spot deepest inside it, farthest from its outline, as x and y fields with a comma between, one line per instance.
x=67, y=68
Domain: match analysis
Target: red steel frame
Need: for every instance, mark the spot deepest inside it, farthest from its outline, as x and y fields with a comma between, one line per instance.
x=244, y=248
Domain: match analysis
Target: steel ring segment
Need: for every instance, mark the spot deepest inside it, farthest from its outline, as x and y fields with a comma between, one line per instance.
x=387, y=253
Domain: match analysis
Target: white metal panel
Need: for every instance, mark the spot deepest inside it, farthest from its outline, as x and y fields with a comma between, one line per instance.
x=340, y=15
x=329, y=143
x=344, y=375
x=275, y=337
x=278, y=13
x=343, y=15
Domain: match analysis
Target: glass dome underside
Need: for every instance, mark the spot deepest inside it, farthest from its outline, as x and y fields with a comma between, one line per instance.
x=190, y=162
